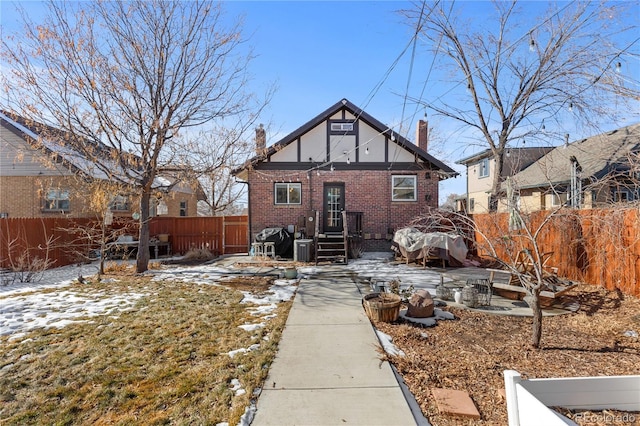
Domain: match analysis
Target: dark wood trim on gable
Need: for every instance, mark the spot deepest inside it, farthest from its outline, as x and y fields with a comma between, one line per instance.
x=386, y=149
x=303, y=166
x=328, y=136
x=340, y=109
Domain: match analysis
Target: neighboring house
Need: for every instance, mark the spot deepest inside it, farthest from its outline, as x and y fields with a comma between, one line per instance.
x=591, y=172
x=44, y=178
x=481, y=170
x=343, y=160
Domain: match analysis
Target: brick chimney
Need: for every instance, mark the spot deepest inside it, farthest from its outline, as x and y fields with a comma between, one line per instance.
x=261, y=140
x=422, y=134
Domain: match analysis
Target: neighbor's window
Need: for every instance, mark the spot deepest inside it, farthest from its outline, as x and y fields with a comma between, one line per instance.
x=403, y=188
x=288, y=193
x=622, y=195
x=57, y=200
x=120, y=203
x=484, y=168
x=183, y=208
x=559, y=199
x=472, y=204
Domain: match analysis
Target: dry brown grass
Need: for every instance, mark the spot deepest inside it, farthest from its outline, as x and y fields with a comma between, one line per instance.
x=472, y=352
x=165, y=362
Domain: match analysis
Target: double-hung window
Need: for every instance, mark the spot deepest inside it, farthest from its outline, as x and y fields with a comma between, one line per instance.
x=288, y=193
x=403, y=188
x=56, y=200
x=484, y=168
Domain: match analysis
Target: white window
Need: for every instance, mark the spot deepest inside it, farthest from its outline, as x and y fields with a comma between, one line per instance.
x=120, y=203
x=341, y=127
x=57, y=200
x=483, y=167
x=288, y=193
x=403, y=188
x=183, y=208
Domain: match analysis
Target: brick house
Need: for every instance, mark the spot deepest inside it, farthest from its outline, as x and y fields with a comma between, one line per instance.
x=342, y=165
x=41, y=178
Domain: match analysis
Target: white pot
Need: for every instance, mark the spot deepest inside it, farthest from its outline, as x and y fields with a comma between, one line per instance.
x=457, y=296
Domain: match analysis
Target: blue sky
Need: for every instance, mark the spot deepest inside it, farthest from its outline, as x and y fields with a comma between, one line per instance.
x=318, y=52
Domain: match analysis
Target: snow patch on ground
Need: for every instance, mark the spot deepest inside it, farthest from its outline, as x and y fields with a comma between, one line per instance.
x=387, y=344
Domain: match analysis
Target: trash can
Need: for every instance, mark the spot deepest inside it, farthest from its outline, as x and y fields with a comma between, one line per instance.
x=302, y=250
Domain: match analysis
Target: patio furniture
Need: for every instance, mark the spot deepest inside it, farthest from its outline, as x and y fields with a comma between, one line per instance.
x=258, y=249
x=270, y=249
x=125, y=245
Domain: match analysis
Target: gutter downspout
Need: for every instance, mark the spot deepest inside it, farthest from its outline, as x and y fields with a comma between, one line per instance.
x=248, y=213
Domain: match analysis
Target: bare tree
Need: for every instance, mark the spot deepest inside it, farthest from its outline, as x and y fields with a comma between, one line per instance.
x=127, y=80
x=515, y=77
x=212, y=156
x=450, y=203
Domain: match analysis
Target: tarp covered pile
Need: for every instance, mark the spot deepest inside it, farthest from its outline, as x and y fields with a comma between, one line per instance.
x=416, y=245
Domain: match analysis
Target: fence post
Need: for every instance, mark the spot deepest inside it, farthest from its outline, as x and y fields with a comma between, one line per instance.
x=224, y=235
x=511, y=378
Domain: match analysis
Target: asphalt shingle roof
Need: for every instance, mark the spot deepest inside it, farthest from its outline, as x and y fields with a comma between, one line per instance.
x=597, y=156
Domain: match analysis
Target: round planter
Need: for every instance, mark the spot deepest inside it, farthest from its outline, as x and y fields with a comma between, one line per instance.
x=384, y=307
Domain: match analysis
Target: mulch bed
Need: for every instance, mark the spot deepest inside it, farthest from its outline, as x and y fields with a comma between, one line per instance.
x=472, y=352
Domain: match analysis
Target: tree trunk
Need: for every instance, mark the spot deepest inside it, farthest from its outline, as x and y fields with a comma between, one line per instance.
x=103, y=247
x=497, y=180
x=536, y=330
x=142, y=260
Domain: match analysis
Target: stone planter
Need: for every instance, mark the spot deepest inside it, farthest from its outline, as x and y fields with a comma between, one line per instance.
x=384, y=307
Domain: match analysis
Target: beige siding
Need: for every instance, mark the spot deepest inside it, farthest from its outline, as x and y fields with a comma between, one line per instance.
x=480, y=202
x=18, y=158
x=339, y=145
x=370, y=138
x=477, y=183
x=287, y=154
x=397, y=154
x=314, y=144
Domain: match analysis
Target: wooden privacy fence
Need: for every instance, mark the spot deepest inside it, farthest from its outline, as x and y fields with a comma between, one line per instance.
x=219, y=234
x=25, y=240
x=64, y=241
x=599, y=246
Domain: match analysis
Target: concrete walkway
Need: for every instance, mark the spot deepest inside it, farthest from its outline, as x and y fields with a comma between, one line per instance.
x=327, y=370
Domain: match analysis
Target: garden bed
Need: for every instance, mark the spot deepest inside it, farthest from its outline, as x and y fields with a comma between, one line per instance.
x=472, y=352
